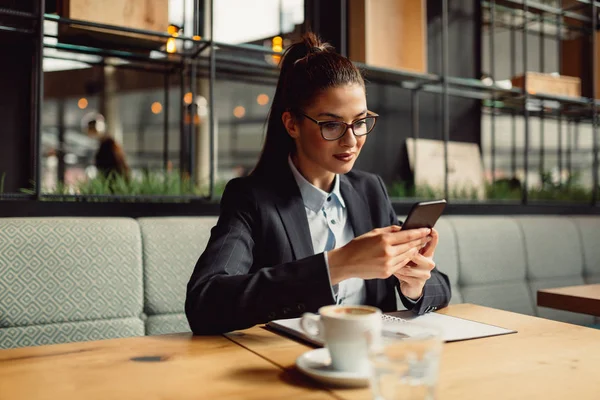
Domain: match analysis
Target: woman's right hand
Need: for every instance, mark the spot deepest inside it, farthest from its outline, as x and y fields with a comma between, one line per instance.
x=377, y=254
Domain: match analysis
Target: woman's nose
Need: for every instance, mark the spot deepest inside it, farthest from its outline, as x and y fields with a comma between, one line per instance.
x=348, y=139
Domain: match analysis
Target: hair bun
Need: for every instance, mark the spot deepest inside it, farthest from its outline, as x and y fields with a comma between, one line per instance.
x=314, y=44
x=301, y=51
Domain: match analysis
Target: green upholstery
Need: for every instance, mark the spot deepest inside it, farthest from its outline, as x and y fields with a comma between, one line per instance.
x=171, y=248
x=60, y=274
x=167, y=323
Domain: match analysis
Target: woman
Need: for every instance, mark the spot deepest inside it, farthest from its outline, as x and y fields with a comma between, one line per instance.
x=303, y=230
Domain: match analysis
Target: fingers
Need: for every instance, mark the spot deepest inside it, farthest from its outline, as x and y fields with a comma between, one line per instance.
x=401, y=237
x=413, y=244
x=394, y=264
x=401, y=260
x=429, y=249
x=383, y=231
x=391, y=229
x=420, y=273
x=413, y=273
x=422, y=262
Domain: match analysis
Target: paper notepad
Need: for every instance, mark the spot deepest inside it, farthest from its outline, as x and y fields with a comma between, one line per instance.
x=394, y=324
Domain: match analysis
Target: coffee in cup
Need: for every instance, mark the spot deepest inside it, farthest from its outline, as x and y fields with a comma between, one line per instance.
x=348, y=333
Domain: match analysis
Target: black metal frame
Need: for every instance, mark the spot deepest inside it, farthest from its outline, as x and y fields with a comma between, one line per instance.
x=192, y=64
x=574, y=110
x=593, y=102
x=192, y=206
x=525, y=191
x=36, y=98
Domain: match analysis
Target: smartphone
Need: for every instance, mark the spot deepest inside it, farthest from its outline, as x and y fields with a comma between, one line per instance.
x=424, y=214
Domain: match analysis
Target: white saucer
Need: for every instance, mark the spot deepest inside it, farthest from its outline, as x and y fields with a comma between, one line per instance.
x=317, y=364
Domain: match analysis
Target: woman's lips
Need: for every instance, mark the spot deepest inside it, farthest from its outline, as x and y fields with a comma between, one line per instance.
x=345, y=157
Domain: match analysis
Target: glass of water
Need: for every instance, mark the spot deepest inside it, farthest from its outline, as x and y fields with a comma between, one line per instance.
x=407, y=368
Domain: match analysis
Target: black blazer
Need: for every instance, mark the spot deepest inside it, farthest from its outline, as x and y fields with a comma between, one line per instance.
x=259, y=264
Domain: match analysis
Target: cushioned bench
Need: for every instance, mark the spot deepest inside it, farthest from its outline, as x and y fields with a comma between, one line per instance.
x=69, y=279
x=171, y=248
x=74, y=279
x=501, y=262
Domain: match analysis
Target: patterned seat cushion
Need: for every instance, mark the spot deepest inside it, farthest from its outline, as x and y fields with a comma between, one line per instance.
x=37, y=335
x=167, y=323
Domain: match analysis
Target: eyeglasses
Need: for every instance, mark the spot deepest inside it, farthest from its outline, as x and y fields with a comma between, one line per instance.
x=334, y=130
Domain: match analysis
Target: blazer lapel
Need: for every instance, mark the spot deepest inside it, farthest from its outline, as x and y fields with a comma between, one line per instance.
x=290, y=207
x=358, y=211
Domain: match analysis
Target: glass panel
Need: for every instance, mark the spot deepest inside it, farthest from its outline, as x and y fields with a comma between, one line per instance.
x=261, y=20
x=242, y=109
x=390, y=148
x=504, y=179
x=102, y=121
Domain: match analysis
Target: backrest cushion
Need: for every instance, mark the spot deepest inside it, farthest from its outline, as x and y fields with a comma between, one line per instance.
x=490, y=250
x=446, y=256
x=554, y=259
x=492, y=262
x=552, y=246
x=589, y=231
x=69, y=269
x=172, y=247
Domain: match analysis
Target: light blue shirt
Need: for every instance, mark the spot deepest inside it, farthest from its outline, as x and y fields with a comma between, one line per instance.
x=330, y=229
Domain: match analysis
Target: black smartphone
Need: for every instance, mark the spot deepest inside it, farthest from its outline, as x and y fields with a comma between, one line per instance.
x=424, y=214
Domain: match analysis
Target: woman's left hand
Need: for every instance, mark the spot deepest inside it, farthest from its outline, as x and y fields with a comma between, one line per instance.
x=413, y=276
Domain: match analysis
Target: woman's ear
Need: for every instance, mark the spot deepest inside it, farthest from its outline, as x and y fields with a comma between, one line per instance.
x=290, y=124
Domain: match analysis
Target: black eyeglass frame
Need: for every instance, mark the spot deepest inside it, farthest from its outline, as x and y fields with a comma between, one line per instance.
x=370, y=114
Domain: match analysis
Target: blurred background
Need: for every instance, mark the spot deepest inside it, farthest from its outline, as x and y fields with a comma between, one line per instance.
x=481, y=102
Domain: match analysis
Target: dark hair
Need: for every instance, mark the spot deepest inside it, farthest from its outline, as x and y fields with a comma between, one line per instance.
x=307, y=68
x=110, y=159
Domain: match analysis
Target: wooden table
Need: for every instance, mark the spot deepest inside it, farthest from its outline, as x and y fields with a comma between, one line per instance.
x=546, y=359
x=583, y=299
x=152, y=367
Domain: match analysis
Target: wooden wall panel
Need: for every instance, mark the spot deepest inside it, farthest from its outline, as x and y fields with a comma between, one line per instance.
x=389, y=33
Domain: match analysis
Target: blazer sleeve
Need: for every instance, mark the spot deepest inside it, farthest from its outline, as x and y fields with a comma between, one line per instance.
x=223, y=294
x=436, y=293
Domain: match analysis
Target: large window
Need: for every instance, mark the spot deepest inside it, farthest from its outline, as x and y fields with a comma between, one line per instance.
x=175, y=105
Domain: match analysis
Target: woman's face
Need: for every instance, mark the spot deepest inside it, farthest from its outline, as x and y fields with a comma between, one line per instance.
x=319, y=158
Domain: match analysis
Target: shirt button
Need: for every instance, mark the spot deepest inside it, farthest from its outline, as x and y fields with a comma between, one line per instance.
x=286, y=310
x=272, y=315
x=332, y=222
x=301, y=307
x=329, y=198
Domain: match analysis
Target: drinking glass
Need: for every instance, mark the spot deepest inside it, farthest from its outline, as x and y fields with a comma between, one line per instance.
x=407, y=368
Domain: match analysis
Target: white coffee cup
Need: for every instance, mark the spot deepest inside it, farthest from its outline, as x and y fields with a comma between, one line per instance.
x=348, y=333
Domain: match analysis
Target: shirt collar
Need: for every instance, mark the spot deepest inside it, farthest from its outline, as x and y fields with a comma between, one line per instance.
x=313, y=197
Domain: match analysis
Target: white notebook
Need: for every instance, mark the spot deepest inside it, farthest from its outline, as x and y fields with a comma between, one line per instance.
x=453, y=328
